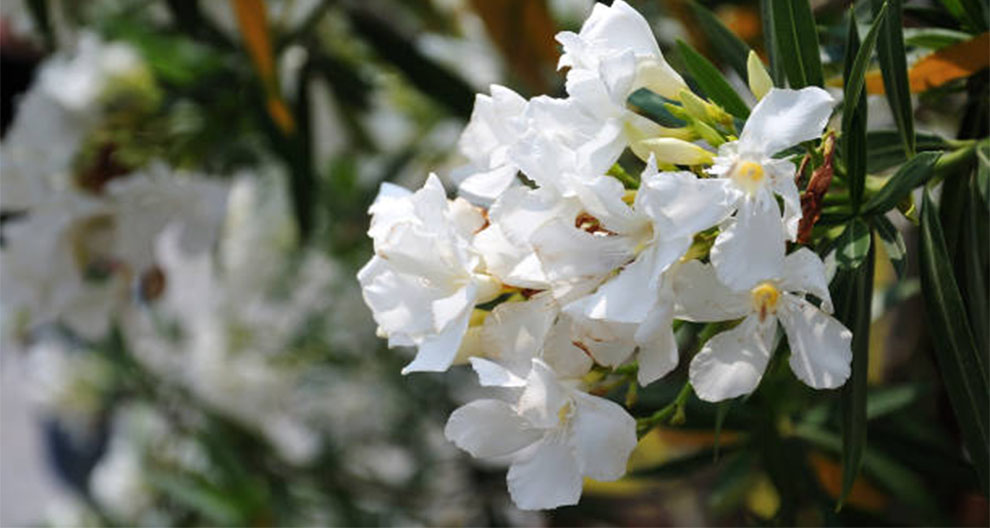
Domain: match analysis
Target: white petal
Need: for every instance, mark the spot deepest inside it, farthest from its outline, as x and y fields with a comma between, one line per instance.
x=681, y=204
x=820, y=345
x=511, y=263
x=782, y=182
x=486, y=186
x=543, y=396
x=732, y=363
x=492, y=126
x=573, y=258
x=516, y=331
x=563, y=356
x=547, y=479
x=437, y=352
x=804, y=272
x=491, y=374
x=784, y=118
x=453, y=307
x=751, y=247
x=657, y=354
x=489, y=428
x=604, y=436
x=626, y=298
x=702, y=297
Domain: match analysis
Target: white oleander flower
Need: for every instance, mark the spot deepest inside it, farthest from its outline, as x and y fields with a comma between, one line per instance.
x=425, y=278
x=634, y=309
x=552, y=435
x=746, y=249
x=496, y=124
x=607, y=35
x=731, y=363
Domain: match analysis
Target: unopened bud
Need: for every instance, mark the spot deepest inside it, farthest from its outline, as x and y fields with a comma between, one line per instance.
x=671, y=150
x=658, y=77
x=759, y=80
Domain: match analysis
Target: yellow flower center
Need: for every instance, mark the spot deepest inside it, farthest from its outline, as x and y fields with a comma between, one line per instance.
x=748, y=174
x=765, y=297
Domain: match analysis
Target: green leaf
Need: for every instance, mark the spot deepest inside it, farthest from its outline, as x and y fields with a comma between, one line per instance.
x=855, y=73
x=912, y=174
x=654, y=106
x=852, y=291
x=934, y=38
x=893, y=244
x=797, y=41
x=975, y=238
x=886, y=149
x=730, y=48
x=770, y=42
x=964, y=378
x=712, y=82
x=893, y=68
x=853, y=143
x=971, y=13
x=853, y=244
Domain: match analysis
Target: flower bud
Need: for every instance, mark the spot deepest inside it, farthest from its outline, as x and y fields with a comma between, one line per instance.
x=658, y=77
x=672, y=150
x=759, y=80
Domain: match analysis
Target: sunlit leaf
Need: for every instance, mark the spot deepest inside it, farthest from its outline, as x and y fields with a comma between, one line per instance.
x=912, y=174
x=797, y=42
x=712, y=82
x=853, y=244
x=730, y=48
x=893, y=244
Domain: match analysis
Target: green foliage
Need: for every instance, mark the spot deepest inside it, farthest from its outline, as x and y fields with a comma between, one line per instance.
x=712, y=82
x=962, y=368
x=796, y=40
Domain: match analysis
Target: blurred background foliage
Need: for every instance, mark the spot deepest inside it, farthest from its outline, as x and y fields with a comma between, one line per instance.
x=321, y=101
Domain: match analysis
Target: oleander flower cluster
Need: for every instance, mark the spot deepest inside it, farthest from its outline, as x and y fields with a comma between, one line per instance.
x=556, y=261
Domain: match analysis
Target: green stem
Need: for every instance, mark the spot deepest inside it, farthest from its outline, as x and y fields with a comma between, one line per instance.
x=673, y=411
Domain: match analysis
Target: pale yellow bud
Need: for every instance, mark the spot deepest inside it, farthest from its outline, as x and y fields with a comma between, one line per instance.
x=672, y=150
x=759, y=80
x=658, y=77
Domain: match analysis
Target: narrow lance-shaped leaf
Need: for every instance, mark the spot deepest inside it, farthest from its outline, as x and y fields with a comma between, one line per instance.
x=712, y=82
x=887, y=150
x=854, y=115
x=852, y=292
x=975, y=238
x=797, y=42
x=770, y=42
x=964, y=379
x=724, y=42
x=893, y=68
x=912, y=174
